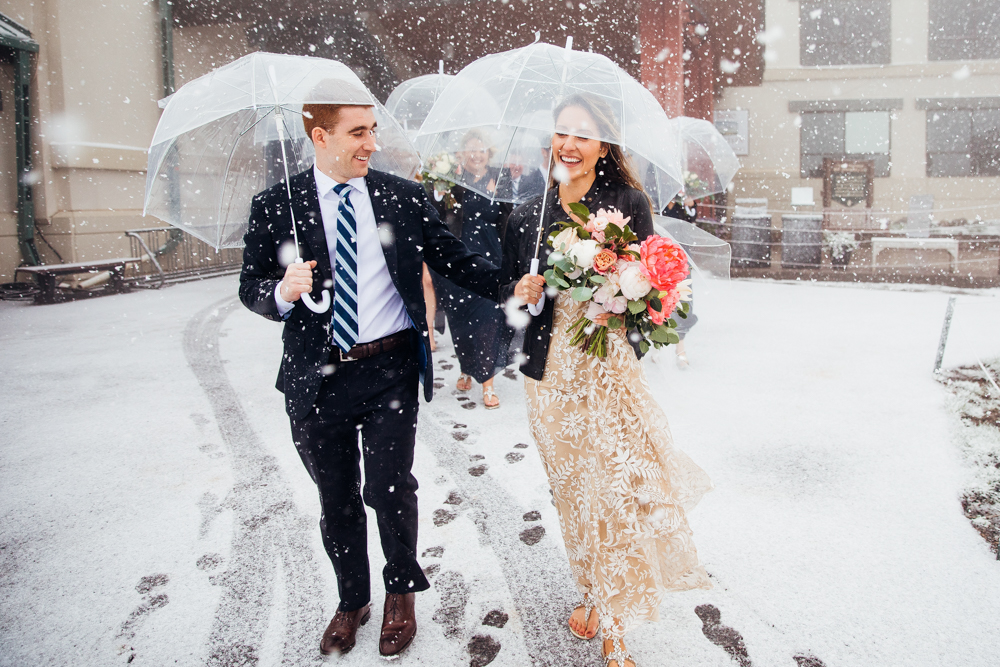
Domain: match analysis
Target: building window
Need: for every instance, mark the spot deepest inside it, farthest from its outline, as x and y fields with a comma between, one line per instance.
x=844, y=32
x=967, y=30
x=844, y=135
x=963, y=141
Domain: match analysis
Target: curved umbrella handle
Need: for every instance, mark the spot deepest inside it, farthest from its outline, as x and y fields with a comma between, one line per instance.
x=324, y=302
x=535, y=308
x=322, y=306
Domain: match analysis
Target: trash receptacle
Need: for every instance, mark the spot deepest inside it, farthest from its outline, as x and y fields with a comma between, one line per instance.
x=801, y=240
x=751, y=236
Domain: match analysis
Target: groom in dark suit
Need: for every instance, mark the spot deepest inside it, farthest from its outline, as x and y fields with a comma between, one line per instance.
x=354, y=369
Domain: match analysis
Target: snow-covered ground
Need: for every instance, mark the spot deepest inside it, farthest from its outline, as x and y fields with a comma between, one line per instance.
x=155, y=512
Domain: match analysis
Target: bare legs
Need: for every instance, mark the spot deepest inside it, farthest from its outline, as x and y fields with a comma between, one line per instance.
x=430, y=303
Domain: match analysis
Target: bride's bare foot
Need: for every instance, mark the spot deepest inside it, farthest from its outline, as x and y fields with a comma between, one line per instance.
x=582, y=625
x=616, y=655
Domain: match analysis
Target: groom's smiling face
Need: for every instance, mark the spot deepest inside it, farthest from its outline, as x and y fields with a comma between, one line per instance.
x=343, y=152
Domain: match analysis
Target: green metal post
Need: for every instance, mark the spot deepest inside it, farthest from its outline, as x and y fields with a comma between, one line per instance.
x=22, y=139
x=166, y=8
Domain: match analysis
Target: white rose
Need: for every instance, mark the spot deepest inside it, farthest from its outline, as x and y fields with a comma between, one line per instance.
x=584, y=252
x=600, y=222
x=634, y=283
x=565, y=239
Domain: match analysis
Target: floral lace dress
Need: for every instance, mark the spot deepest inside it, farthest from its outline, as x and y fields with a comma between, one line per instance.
x=620, y=487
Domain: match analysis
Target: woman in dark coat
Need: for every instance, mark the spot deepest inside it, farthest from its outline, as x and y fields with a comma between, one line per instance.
x=478, y=326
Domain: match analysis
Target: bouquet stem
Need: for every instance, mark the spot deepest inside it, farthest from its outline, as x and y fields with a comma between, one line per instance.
x=589, y=336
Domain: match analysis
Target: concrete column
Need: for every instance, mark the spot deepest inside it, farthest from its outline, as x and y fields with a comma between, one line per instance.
x=661, y=33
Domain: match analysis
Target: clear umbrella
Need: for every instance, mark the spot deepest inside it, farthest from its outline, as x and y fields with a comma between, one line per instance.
x=707, y=159
x=411, y=101
x=507, y=100
x=236, y=131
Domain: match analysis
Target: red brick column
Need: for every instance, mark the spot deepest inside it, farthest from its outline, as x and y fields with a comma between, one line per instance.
x=661, y=34
x=699, y=75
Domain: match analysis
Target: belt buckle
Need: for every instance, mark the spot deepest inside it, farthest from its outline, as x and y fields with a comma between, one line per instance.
x=344, y=358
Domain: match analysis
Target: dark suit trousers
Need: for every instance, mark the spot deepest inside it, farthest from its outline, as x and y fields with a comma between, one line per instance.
x=377, y=397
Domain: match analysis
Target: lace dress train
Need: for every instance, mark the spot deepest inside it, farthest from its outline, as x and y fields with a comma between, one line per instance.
x=621, y=488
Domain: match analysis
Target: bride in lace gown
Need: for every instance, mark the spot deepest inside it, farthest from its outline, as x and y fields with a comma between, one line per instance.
x=621, y=488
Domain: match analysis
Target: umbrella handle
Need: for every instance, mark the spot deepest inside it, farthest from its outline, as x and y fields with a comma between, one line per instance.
x=534, y=308
x=324, y=302
x=322, y=306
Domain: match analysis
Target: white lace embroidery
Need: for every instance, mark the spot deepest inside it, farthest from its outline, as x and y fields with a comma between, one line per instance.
x=620, y=486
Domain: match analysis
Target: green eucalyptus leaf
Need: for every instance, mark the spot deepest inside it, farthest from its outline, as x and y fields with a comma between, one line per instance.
x=661, y=335
x=643, y=346
x=582, y=294
x=673, y=338
x=614, y=322
x=636, y=307
x=580, y=211
x=656, y=303
x=598, y=280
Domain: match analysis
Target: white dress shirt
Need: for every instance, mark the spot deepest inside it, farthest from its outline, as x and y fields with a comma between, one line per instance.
x=380, y=308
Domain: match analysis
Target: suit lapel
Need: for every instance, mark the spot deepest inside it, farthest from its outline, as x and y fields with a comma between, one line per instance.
x=380, y=207
x=305, y=205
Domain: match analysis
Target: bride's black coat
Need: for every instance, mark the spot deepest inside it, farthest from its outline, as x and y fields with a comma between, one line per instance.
x=519, y=249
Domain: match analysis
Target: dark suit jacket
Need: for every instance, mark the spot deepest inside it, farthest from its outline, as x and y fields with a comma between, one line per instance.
x=404, y=214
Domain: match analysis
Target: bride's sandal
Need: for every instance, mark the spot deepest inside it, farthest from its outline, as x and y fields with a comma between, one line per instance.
x=588, y=610
x=618, y=655
x=464, y=382
x=490, y=400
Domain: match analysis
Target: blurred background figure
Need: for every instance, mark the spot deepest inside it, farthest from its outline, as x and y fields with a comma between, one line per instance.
x=521, y=179
x=430, y=302
x=683, y=208
x=478, y=326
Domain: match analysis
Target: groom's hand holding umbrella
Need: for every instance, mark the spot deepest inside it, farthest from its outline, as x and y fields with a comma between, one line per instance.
x=298, y=280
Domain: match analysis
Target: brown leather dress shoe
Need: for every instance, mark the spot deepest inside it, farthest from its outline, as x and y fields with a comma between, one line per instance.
x=340, y=634
x=399, y=624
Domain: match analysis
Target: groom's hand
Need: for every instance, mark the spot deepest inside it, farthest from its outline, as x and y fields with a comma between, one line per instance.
x=297, y=281
x=529, y=288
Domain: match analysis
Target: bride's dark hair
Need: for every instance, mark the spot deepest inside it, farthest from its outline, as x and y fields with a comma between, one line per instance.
x=616, y=166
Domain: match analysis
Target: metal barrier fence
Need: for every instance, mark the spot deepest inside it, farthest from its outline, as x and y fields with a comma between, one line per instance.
x=169, y=255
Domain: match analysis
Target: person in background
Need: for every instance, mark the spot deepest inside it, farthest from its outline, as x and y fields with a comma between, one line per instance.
x=682, y=208
x=516, y=183
x=479, y=328
x=430, y=302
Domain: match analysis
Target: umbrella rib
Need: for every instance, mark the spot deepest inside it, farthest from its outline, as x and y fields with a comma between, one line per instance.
x=254, y=124
x=507, y=104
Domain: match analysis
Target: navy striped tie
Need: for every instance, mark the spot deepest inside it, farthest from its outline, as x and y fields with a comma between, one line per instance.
x=345, y=290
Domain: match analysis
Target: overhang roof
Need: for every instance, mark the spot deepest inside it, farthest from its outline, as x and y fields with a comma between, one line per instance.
x=15, y=36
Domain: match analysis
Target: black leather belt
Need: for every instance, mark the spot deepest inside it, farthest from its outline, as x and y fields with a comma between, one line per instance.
x=370, y=349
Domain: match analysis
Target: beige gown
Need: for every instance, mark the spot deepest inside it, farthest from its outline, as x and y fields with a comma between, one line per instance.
x=620, y=487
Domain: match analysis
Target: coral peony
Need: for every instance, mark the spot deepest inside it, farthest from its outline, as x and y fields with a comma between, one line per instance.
x=604, y=261
x=657, y=316
x=664, y=261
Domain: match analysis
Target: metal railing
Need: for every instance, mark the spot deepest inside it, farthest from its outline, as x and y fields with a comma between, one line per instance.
x=169, y=255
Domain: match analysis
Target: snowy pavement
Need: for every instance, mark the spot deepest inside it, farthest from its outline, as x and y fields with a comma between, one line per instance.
x=155, y=512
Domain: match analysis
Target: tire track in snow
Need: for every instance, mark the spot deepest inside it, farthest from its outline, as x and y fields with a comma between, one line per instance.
x=537, y=575
x=270, y=537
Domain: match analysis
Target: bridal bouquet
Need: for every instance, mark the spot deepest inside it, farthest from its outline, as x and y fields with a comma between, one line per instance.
x=640, y=284
x=440, y=173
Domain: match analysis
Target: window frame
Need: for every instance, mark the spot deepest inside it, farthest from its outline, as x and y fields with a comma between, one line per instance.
x=825, y=53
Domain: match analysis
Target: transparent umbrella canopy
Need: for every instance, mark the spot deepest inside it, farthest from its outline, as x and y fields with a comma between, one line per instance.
x=238, y=130
x=507, y=102
x=707, y=159
x=411, y=101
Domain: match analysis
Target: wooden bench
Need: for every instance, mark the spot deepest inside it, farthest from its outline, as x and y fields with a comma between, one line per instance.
x=47, y=275
x=880, y=243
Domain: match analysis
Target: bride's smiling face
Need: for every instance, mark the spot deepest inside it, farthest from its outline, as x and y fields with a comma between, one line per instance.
x=579, y=154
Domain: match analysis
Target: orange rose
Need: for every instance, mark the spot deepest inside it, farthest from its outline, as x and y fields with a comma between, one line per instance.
x=604, y=261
